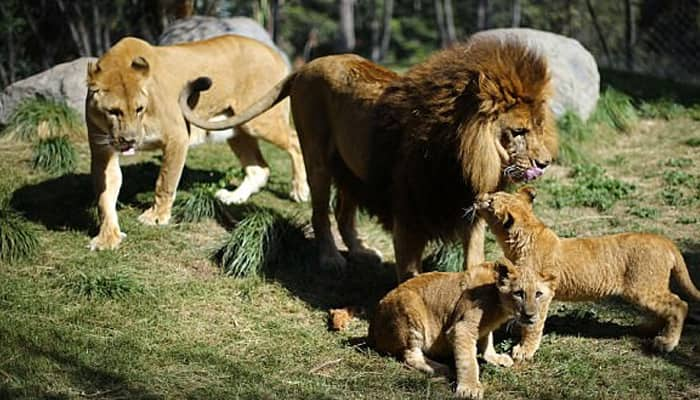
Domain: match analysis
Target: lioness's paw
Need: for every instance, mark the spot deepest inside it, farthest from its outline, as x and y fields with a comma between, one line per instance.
x=300, y=193
x=151, y=217
x=522, y=354
x=106, y=241
x=664, y=344
x=238, y=196
x=472, y=392
x=502, y=360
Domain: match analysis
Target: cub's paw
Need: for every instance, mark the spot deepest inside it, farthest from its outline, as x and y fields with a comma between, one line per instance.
x=663, y=344
x=502, y=360
x=152, y=217
x=108, y=241
x=521, y=354
x=471, y=392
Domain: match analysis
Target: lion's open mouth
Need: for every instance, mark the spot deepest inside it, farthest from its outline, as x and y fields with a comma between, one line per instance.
x=518, y=173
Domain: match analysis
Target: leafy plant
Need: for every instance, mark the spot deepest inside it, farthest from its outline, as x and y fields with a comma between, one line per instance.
x=18, y=238
x=693, y=142
x=616, y=110
x=677, y=178
x=687, y=220
x=261, y=240
x=644, y=212
x=55, y=155
x=591, y=187
x=680, y=162
x=41, y=118
x=108, y=286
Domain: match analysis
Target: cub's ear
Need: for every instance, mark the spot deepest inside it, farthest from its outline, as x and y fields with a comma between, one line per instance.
x=527, y=193
x=550, y=278
x=140, y=64
x=505, y=272
x=93, y=68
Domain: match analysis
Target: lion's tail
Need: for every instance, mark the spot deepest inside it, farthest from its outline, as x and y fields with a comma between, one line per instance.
x=682, y=277
x=272, y=97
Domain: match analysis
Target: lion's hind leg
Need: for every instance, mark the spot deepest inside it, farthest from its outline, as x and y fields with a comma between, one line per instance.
x=671, y=309
x=256, y=169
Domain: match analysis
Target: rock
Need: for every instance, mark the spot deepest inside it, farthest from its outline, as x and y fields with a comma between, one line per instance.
x=200, y=28
x=63, y=82
x=574, y=70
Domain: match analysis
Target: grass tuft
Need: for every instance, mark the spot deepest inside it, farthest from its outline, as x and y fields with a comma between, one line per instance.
x=260, y=241
x=616, y=110
x=106, y=286
x=663, y=109
x=446, y=257
x=572, y=132
x=197, y=204
x=591, y=187
x=55, y=155
x=18, y=238
x=41, y=118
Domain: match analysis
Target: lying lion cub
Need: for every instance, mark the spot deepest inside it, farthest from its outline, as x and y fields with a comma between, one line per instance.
x=634, y=266
x=438, y=314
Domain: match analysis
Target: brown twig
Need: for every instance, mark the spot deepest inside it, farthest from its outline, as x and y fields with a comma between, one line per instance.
x=324, y=365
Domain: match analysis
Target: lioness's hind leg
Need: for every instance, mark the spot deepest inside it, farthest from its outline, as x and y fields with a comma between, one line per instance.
x=415, y=358
x=345, y=213
x=256, y=170
x=672, y=310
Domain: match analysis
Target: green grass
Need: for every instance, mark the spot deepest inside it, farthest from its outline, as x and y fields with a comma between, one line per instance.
x=19, y=240
x=197, y=204
x=38, y=118
x=446, y=257
x=54, y=155
x=116, y=285
x=616, y=110
x=572, y=133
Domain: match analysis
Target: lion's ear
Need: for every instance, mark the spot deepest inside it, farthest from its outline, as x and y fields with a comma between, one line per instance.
x=140, y=64
x=527, y=193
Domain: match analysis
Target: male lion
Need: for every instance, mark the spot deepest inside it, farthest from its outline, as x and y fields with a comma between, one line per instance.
x=634, y=266
x=439, y=314
x=414, y=149
x=131, y=105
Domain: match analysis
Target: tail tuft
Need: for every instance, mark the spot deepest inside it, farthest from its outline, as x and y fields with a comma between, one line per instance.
x=201, y=84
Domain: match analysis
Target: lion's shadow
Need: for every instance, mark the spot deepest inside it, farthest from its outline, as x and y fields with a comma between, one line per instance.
x=67, y=202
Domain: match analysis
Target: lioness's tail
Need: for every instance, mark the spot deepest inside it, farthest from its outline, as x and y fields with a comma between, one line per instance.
x=272, y=97
x=682, y=277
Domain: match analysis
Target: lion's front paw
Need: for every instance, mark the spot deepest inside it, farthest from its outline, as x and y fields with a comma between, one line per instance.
x=472, y=392
x=502, y=360
x=153, y=217
x=520, y=353
x=106, y=241
x=664, y=344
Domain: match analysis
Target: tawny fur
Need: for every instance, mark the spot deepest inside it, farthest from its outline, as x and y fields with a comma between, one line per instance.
x=443, y=314
x=132, y=98
x=634, y=266
x=413, y=149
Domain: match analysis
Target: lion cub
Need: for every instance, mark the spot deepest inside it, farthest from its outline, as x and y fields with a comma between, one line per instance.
x=439, y=314
x=634, y=266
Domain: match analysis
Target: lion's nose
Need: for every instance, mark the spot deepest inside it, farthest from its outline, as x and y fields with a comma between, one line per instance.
x=542, y=164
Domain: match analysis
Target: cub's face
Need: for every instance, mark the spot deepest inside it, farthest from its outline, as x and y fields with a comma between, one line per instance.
x=118, y=101
x=525, y=140
x=525, y=292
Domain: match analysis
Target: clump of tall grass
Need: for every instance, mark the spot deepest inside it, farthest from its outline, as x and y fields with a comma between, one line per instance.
x=199, y=203
x=38, y=117
x=444, y=256
x=55, y=155
x=18, y=238
x=573, y=131
x=260, y=241
x=616, y=110
x=663, y=108
x=103, y=285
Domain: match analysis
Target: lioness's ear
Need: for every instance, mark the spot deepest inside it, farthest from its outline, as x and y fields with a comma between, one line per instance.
x=527, y=193
x=140, y=64
x=93, y=68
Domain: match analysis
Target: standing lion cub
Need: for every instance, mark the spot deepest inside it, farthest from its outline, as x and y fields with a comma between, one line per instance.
x=634, y=266
x=439, y=314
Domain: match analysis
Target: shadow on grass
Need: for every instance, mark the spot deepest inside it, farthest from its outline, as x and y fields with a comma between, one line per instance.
x=67, y=202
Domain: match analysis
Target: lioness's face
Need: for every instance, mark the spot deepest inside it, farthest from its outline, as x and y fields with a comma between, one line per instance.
x=525, y=292
x=117, y=103
x=524, y=141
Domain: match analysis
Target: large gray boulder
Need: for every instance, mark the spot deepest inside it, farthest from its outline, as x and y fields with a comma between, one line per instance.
x=65, y=81
x=574, y=71
x=200, y=28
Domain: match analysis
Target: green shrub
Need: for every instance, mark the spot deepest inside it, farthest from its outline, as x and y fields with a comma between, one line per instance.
x=261, y=240
x=55, y=155
x=591, y=187
x=40, y=118
x=18, y=238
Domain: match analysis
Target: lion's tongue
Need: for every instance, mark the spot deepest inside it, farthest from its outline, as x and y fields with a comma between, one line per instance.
x=533, y=173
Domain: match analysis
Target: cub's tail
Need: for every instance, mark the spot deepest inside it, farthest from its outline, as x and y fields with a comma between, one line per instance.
x=682, y=277
x=272, y=97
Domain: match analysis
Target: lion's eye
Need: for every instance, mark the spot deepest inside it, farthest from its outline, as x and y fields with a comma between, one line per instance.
x=519, y=293
x=538, y=294
x=519, y=131
x=115, y=112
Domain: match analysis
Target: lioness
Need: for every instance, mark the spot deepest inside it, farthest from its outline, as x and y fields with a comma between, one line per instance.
x=439, y=314
x=131, y=105
x=413, y=149
x=634, y=266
